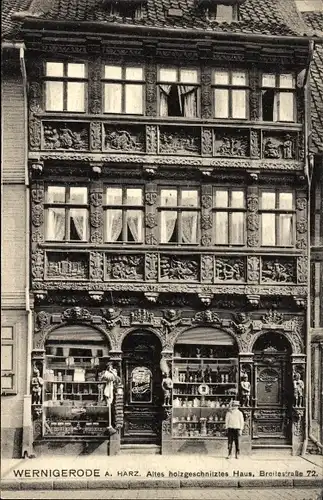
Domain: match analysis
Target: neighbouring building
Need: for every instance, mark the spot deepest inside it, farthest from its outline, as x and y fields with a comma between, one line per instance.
x=168, y=173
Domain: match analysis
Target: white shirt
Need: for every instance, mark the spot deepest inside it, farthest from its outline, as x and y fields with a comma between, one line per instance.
x=234, y=419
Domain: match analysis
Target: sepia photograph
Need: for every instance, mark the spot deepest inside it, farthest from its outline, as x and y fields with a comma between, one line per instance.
x=162, y=249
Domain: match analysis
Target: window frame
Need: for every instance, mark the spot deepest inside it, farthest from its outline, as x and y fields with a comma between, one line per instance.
x=67, y=207
x=65, y=79
x=229, y=210
x=178, y=82
x=179, y=209
x=277, y=212
x=13, y=373
x=212, y=13
x=124, y=207
x=278, y=90
x=230, y=87
x=123, y=81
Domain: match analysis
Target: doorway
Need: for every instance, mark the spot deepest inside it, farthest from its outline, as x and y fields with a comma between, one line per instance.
x=142, y=389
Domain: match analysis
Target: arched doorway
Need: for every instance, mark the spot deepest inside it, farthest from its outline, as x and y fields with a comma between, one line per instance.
x=142, y=388
x=273, y=390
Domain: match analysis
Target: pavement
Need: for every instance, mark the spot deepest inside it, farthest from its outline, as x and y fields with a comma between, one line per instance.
x=128, y=474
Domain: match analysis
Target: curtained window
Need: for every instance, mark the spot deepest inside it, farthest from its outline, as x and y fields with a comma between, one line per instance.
x=178, y=92
x=277, y=218
x=230, y=94
x=179, y=215
x=123, y=89
x=67, y=213
x=124, y=215
x=228, y=216
x=8, y=360
x=65, y=86
x=278, y=97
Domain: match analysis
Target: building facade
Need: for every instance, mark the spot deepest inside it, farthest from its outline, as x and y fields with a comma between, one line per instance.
x=169, y=207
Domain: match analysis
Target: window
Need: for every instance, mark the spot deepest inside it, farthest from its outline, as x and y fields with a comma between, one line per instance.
x=278, y=97
x=65, y=86
x=277, y=209
x=123, y=89
x=228, y=216
x=178, y=92
x=66, y=213
x=124, y=215
x=230, y=94
x=222, y=13
x=8, y=361
x=179, y=215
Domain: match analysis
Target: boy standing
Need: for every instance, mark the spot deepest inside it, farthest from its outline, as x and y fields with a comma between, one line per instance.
x=234, y=423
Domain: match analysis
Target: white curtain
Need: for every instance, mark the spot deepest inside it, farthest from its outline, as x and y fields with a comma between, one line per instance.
x=286, y=230
x=168, y=221
x=163, y=99
x=78, y=217
x=113, y=225
x=187, y=100
x=189, y=227
x=56, y=224
x=237, y=228
x=134, y=221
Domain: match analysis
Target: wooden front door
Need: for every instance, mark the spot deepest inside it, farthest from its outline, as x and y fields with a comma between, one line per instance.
x=142, y=390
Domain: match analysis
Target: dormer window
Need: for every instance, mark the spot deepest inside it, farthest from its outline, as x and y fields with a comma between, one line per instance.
x=222, y=13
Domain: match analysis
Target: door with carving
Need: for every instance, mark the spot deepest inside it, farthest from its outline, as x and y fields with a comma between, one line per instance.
x=142, y=389
x=273, y=392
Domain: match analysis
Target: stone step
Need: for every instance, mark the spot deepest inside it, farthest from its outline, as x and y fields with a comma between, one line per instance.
x=280, y=450
x=139, y=449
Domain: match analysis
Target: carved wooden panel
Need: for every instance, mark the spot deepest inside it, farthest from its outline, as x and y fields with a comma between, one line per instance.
x=301, y=220
x=206, y=92
x=96, y=212
x=278, y=270
x=127, y=267
x=124, y=138
x=231, y=143
x=95, y=87
x=151, y=88
x=277, y=145
x=253, y=239
x=37, y=211
x=67, y=266
x=229, y=270
x=179, y=268
x=65, y=136
x=206, y=215
x=176, y=140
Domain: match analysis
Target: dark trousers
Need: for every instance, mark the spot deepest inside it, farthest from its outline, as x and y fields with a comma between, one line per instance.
x=233, y=435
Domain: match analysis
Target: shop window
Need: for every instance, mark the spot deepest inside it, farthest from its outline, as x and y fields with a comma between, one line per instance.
x=228, y=216
x=230, y=94
x=277, y=218
x=278, y=97
x=8, y=361
x=124, y=215
x=178, y=92
x=65, y=86
x=123, y=89
x=179, y=215
x=67, y=213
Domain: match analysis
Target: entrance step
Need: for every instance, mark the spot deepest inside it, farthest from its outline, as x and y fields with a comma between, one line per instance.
x=281, y=450
x=139, y=449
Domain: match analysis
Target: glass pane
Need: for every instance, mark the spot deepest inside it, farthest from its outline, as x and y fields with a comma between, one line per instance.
x=76, y=70
x=168, y=75
x=268, y=231
x=221, y=103
x=268, y=80
x=134, y=225
x=7, y=332
x=237, y=199
x=134, y=73
x=168, y=197
x=78, y=224
x=6, y=357
x=112, y=98
x=239, y=78
x=221, y=228
x=55, y=224
x=239, y=104
x=237, y=229
x=189, y=198
x=224, y=12
x=75, y=96
x=285, y=230
x=54, y=69
x=286, y=106
x=113, y=72
x=168, y=226
x=286, y=201
x=134, y=196
x=221, y=198
x=133, y=99
x=56, y=194
x=113, y=225
x=78, y=195
x=188, y=76
x=268, y=200
x=7, y=382
x=114, y=196
x=189, y=227
x=141, y=385
x=221, y=77
x=54, y=96
x=286, y=81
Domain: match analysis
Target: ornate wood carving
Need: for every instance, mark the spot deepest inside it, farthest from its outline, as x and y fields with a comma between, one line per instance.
x=178, y=268
x=96, y=136
x=96, y=266
x=151, y=266
x=274, y=270
x=126, y=139
x=95, y=87
x=151, y=229
x=206, y=215
x=207, y=268
x=151, y=139
x=252, y=217
x=151, y=88
x=206, y=92
x=175, y=140
x=229, y=269
x=125, y=267
x=37, y=264
x=60, y=265
x=279, y=146
x=234, y=144
x=253, y=269
x=37, y=211
x=254, y=144
x=34, y=133
x=96, y=212
x=254, y=95
x=207, y=142
x=68, y=136
x=302, y=269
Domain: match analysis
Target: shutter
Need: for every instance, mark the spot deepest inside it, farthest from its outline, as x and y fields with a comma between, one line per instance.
x=205, y=335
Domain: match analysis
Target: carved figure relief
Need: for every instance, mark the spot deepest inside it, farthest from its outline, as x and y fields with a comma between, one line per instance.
x=242, y=323
x=125, y=267
x=151, y=266
x=302, y=269
x=233, y=145
x=37, y=383
x=298, y=385
x=171, y=319
x=273, y=317
x=229, y=269
x=34, y=133
x=207, y=268
x=75, y=314
x=42, y=320
x=151, y=197
x=142, y=316
x=207, y=316
x=279, y=147
x=151, y=220
x=96, y=265
x=179, y=141
x=179, y=268
x=301, y=203
x=111, y=316
x=128, y=139
x=207, y=142
x=278, y=271
x=253, y=269
x=65, y=136
x=254, y=144
x=37, y=264
x=96, y=136
x=95, y=86
x=252, y=220
x=151, y=139
x=62, y=266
